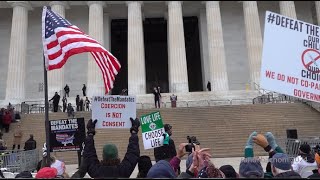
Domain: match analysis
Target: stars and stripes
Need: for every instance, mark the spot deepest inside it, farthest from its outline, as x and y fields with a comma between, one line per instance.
x=61, y=40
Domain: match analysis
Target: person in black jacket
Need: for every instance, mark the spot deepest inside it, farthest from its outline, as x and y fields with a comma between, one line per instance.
x=30, y=144
x=84, y=89
x=110, y=166
x=56, y=99
x=157, y=96
x=66, y=90
x=78, y=102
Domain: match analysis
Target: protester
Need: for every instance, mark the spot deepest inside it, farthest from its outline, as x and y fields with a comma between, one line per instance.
x=17, y=137
x=110, y=166
x=168, y=151
x=144, y=165
x=30, y=144
x=47, y=173
x=78, y=103
x=304, y=159
x=64, y=101
x=6, y=120
x=316, y=173
x=81, y=104
x=66, y=90
x=70, y=110
x=56, y=99
x=209, y=86
x=229, y=171
x=84, y=89
x=280, y=164
x=157, y=97
x=87, y=103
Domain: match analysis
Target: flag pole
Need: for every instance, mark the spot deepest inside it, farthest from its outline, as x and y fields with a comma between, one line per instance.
x=46, y=107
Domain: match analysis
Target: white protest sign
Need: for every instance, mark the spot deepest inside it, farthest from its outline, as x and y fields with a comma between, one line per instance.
x=152, y=130
x=290, y=57
x=113, y=111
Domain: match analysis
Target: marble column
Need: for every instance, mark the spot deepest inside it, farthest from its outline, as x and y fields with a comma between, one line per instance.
x=56, y=81
x=15, y=89
x=253, y=39
x=204, y=48
x=95, y=83
x=317, y=5
x=178, y=73
x=217, y=58
x=107, y=35
x=136, y=56
x=287, y=8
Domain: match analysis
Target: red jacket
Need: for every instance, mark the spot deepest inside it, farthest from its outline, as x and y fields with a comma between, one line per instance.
x=7, y=118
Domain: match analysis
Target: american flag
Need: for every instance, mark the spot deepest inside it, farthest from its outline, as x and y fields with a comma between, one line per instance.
x=61, y=40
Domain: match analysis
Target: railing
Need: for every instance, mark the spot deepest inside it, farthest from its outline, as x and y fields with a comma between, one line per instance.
x=19, y=161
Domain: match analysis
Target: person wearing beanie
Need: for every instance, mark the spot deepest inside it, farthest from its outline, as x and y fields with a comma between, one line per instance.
x=250, y=167
x=316, y=172
x=304, y=159
x=162, y=169
x=110, y=166
x=281, y=166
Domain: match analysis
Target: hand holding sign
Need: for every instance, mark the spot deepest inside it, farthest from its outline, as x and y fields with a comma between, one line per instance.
x=135, y=125
x=91, y=127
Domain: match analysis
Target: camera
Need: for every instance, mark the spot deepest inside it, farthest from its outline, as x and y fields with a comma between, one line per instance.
x=191, y=140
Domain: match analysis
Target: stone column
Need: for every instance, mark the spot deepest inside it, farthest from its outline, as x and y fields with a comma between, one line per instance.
x=56, y=81
x=15, y=89
x=136, y=57
x=254, y=40
x=204, y=48
x=95, y=84
x=107, y=35
x=317, y=4
x=178, y=73
x=217, y=59
x=287, y=8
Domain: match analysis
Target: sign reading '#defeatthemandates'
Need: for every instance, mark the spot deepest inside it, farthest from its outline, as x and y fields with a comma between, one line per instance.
x=113, y=111
x=291, y=57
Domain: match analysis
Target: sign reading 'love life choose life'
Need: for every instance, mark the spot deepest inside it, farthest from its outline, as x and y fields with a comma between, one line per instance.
x=291, y=57
x=152, y=130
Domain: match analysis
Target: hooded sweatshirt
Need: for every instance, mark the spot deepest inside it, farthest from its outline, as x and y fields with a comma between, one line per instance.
x=162, y=169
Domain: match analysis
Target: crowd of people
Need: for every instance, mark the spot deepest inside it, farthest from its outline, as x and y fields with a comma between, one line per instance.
x=81, y=104
x=198, y=161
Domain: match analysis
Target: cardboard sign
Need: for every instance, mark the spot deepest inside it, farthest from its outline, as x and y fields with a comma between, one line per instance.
x=113, y=111
x=152, y=130
x=67, y=134
x=291, y=57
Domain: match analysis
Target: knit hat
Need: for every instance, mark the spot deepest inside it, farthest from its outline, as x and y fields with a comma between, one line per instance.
x=228, y=171
x=281, y=161
x=47, y=173
x=60, y=166
x=162, y=169
x=305, y=148
x=24, y=174
x=210, y=172
x=110, y=151
x=251, y=167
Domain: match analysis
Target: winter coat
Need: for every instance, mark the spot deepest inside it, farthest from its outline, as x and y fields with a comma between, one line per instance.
x=30, y=144
x=17, y=136
x=7, y=118
x=123, y=170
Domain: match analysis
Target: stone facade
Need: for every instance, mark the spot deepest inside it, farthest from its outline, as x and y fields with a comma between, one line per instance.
x=234, y=30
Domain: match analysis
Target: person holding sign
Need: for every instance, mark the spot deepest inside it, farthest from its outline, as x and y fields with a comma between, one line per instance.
x=110, y=166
